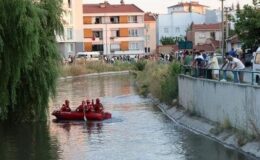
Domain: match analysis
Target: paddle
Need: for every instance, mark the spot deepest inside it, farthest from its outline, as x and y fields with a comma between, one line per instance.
x=84, y=110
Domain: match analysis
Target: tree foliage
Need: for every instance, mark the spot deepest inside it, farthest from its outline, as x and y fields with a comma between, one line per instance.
x=170, y=40
x=247, y=26
x=28, y=57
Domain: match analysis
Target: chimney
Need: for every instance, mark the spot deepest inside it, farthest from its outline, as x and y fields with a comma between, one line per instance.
x=122, y=2
x=103, y=5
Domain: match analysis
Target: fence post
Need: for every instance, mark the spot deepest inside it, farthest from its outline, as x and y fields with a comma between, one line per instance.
x=252, y=74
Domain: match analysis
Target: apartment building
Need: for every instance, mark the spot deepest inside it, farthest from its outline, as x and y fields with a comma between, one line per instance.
x=113, y=29
x=179, y=18
x=72, y=40
x=192, y=6
x=150, y=32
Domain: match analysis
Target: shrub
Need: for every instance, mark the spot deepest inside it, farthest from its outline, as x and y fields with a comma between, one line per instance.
x=140, y=65
x=169, y=87
x=160, y=80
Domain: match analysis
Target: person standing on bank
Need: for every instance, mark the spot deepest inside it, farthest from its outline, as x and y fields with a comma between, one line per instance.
x=237, y=66
x=213, y=65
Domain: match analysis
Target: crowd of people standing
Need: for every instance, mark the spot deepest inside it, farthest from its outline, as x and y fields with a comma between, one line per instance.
x=206, y=65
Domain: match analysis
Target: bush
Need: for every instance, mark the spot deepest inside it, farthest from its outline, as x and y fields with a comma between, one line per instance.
x=160, y=80
x=169, y=87
x=140, y=65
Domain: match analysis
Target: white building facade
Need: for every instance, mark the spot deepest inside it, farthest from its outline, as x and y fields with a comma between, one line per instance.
x=176, y=24
x=72, y=40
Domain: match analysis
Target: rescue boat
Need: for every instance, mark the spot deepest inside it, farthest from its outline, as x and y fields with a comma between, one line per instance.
x=75, y=115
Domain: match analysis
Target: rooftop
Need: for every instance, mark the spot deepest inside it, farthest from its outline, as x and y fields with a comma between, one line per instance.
x=192, y=3
x=215, y=26
x=110, y=8
x=149, y=17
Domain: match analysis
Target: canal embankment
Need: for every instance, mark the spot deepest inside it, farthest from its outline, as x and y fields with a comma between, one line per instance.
x=225, y=112
x=202, y=126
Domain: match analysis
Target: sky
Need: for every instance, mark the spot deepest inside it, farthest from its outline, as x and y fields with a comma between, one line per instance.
x=160, y=6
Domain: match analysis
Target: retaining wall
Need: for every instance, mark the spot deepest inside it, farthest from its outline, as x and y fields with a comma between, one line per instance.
x=222, y=102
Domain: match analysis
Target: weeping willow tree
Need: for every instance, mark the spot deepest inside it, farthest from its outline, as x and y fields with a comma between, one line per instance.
x=28, y=57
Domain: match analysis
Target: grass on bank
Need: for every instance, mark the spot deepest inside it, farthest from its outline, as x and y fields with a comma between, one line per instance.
x=94, y=67
x=159, y=79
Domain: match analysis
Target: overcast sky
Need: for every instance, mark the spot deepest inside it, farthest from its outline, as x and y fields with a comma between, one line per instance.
x=160, y=6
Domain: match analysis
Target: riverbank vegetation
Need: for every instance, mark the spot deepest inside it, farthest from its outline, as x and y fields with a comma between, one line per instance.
x=28, y=57
x=94, y=67
x=159, y=79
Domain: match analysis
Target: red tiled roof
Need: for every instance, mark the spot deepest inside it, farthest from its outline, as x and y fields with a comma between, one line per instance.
x=110, y=8
x=188, y=4
x=205, y=47
x=149, y=17
x=215, y=26
x=216, y=43
x=234, y=39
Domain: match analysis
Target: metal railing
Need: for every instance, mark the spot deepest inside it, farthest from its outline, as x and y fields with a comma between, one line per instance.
x=247, y=76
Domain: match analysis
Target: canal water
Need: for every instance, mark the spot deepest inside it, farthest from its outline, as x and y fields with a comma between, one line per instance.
x=137, y=131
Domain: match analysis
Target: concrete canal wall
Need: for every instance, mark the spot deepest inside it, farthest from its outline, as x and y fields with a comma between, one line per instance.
x=222, y=102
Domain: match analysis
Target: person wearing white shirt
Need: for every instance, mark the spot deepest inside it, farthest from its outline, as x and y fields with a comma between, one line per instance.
x=213, y=64
x=237, y=66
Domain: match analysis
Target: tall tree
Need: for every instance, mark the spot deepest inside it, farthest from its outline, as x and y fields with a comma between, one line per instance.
x=238, y=7
x=247, y=26
x=28, y=57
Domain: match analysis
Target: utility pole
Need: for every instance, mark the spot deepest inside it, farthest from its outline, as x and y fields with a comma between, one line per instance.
x=227, y=10
x=222, y=28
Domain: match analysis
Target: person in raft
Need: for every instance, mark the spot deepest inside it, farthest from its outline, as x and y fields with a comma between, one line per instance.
x=98, y=106
x=80, y=107
x=66, y=107
x=90, y=107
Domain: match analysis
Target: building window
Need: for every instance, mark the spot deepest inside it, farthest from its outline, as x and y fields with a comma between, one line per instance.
x=147, y=37
x=115, y=47
x=115, y=33
x=70, y=47
x=97, y=47
x=69, y=34
x=212, y=35
x=98, y=34
x=69, y=3
x=147, y=27
x=166, y=30
x=133, y=32
x=201, y=36
x=132, y=19
x=133, y=46
x=147, y=49
x=114, y=19
x=177, y=29
x=98, y=20
x=70, y=18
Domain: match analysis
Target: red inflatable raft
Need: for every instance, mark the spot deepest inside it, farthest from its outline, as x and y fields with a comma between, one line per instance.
x=74, y=115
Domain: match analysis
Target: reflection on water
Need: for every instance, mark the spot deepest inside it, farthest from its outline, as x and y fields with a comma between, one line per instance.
x=137, y=130
x=27, y=141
